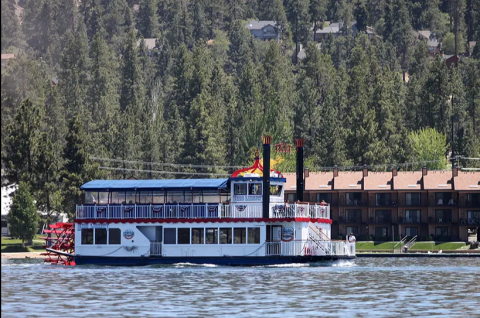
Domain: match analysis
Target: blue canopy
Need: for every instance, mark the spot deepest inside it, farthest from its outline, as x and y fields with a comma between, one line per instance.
x=165, y=184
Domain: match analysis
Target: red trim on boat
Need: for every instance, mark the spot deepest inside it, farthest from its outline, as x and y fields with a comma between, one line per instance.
x=225, y=220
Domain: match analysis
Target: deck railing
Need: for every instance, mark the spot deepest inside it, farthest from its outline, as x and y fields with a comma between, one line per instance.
x=155, y=249
x=309, y=248
x=194, y=211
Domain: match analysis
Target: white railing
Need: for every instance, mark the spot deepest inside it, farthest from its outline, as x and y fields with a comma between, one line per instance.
x=189, y=211
x=299, y=211
x=309, y=248
x=155, y=249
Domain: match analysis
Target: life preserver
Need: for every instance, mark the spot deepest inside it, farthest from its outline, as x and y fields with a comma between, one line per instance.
x=307, y=251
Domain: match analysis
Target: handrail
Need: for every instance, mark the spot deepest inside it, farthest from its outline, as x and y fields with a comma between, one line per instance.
x=320, y=231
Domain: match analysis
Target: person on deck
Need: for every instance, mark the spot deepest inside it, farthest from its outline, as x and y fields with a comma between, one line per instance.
x=351, y=238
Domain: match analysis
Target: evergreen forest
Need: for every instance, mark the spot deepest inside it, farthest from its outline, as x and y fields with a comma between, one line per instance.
x=86, y=97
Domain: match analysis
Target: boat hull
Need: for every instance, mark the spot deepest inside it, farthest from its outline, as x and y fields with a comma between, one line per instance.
x=227, y=261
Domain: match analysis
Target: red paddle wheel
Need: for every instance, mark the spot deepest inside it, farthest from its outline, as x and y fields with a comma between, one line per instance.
x=60, y=244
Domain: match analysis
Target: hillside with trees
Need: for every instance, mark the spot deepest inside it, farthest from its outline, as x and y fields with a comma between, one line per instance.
x=186, y=83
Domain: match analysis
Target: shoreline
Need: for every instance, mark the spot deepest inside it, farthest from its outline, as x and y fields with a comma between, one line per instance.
x=22, y=255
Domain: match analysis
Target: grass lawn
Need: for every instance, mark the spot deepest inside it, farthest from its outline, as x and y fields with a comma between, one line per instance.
x=375, y=246
x=10, y=245
x=430, y=246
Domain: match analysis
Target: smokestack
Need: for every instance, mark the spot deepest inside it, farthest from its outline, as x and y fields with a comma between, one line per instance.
x=335, y=172
x=267, y=140
x=365, y=171
x=454, y=171
x=394, y=172
x=299, y=143
x=424, y=171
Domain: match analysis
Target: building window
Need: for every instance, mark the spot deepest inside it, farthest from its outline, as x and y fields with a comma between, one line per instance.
x=353, y=198
x=353, y=216
x=239, y=235
x=383, y=199
x=413, y=199
x=443, y=216
x=383, y=216
x=473, y=199
x=183, y=236
x=100, y=236
x=197, y=236
x=411, y=231
x=87, y=236
x=473, y=217
x=212, y=236
x=327, y=197
x=352, y=229
x=170, y=236
x=226, y=236
x=441, y=231
x=114, y=236
x=412, y=216
x=255, y=189
x=381, y=232
x=253, y=235
x=240, y=189
x=443, y=198
x=291, y=197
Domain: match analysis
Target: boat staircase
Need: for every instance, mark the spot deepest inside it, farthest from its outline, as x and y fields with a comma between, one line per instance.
x=60, y=244
x=319, y=238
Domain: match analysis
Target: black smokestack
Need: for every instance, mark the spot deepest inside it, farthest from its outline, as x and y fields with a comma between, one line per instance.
x=299, y=143
x=267, y=140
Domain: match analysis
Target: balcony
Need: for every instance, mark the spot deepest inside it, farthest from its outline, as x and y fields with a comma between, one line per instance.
x=354, y=202
x=350, y=219
x=472, y=204
x=414, y=202
x=381, y=220
x=411, y=219
x=470, y=221
x=197, y=211
x=440, y=220
x=385, y=203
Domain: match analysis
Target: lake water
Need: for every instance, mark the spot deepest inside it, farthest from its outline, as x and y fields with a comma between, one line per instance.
x=365, y=287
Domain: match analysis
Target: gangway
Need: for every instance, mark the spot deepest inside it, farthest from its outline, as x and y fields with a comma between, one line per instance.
x=320, y=239
x=401, y=243
x=410, y=243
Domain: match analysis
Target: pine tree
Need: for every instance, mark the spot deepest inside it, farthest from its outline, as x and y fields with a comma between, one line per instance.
x=361, y=15
x=21, y=144
x=11, y=30
x=23, y=218
x=77, y=169
x=147, y=19
x=132, y=89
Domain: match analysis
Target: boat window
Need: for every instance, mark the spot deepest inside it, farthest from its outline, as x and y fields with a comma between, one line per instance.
x=276, y=190
x=225, y=197
x=197, y=197
x=240, y=235
x=240, y=189
x=100, y=236
x=118, y=197
x=175, y=197
x=212, y=236
x=91, y=197
x=255, y=189
x=87, y=236
x=170, y=236
x=130, y=197
x=158, y=197
x=183, y=236
x=253, y=235
x=103, y=198
x=226, y=236
x=188, y=197
x=211, y=196
x=145, y=197
x=197, y=236
x=114, y=236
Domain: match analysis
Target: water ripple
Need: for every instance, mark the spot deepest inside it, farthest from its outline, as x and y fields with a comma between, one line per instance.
x=368, y=287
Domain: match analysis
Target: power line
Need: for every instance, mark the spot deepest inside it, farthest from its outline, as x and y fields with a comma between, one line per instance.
x=165, y=164
x=165, y=172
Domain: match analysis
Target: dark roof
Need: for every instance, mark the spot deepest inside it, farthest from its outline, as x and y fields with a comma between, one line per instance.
x=165, y=184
